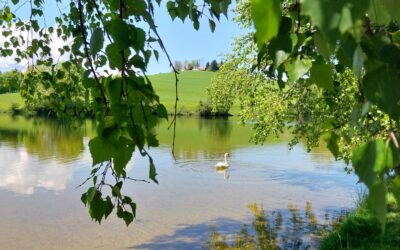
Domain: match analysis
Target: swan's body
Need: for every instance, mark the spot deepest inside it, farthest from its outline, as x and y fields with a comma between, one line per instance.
x=222, y=165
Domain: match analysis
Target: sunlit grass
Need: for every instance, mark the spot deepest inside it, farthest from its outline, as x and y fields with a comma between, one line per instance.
x=7, y=100
x=191, y=89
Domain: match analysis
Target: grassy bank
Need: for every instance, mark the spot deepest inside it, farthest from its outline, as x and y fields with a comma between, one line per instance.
x=7, y=100
x=362, y=230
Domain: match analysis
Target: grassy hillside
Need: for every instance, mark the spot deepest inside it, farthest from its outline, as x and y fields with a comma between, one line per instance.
x=192, y=88
x=6, y=100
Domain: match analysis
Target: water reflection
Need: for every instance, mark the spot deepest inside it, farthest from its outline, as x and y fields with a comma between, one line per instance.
x=47, y=161
x=223, y=171
x=22, y=174
x=45, y=139
x=281, y=229
x=217, y=128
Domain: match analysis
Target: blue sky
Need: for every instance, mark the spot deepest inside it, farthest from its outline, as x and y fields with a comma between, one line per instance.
x=182, y=41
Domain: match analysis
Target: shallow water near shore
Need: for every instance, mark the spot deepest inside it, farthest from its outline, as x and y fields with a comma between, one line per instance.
x=42, y=163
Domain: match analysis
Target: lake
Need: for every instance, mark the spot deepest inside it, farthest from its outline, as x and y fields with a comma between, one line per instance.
x=42, y=163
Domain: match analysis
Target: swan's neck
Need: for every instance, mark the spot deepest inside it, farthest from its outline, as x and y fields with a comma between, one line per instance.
x=226, y=161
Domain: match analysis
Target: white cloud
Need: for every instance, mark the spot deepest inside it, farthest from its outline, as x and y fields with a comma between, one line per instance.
x=23, y=174
x=9, y=63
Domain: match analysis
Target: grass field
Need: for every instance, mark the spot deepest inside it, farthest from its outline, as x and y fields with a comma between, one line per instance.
x=191, y=89
x=6, y=100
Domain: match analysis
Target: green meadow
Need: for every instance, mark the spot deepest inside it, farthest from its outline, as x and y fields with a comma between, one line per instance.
x=191, y=89
x=7, y=100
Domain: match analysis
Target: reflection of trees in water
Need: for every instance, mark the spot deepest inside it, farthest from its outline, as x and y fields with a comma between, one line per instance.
x=203, y=138
x=218, y=128
x=46, y=139
x=286, y=229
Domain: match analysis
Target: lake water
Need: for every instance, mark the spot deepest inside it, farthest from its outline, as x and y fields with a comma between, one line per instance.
x=42, y=163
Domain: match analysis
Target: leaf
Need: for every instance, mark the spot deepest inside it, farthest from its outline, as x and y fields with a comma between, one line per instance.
x=182, y=11
x=156, y=54
x=152, y=140
x=196, y=25
x=121, y=39
x=97, y=208
x=382, y=87
x=114, y=56
x=322, y=75
x=128, y=217
x=116, y=191
x=323, y=47
x=396, y=188
x=162, y=111
x=377, y=201
x=371, y=160
x=332, y=143
x=358, y=61
x=96, y=41
x=152, y=171
x=212, y=25
x=280, y=57
x=123, y=155
x=297, y=69
x=383, y=11
x=266, y=15
x=101, y=150
x=108, y=207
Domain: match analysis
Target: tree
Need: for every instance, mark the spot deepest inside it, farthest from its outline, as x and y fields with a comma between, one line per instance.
x=178, y=65
x=102, y=35
x=57, y=91
x=214, y=65
x=207, y=65
x=10, y=81
x=325, y=69
x=195, y=63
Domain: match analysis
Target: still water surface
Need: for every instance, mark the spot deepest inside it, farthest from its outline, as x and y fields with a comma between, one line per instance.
x=42, y=163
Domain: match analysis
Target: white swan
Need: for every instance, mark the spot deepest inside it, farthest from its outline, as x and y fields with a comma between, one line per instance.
x=224, y=164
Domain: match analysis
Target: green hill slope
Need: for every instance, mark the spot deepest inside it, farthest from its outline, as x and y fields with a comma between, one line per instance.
x=191, y=89
x=7, y=100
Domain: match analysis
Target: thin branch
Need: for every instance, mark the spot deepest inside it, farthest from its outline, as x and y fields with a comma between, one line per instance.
x=132, y=179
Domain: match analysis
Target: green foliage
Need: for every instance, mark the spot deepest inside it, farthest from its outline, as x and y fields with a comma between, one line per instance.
x=267, y=26
x=204, y=109
x=55, y=91
x=214, y=66
x=10, y=81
